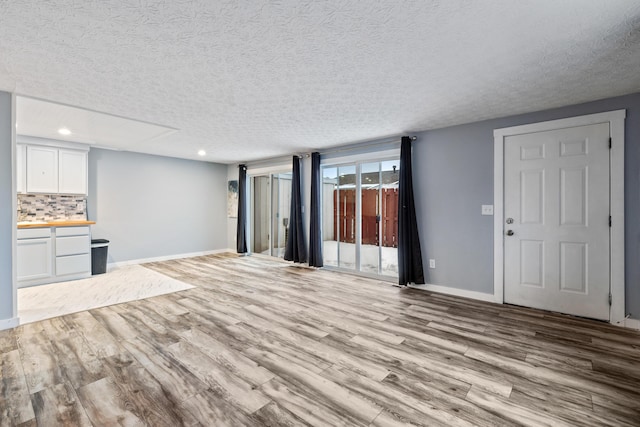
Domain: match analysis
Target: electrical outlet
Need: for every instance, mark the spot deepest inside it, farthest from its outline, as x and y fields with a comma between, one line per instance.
x=487, y=209
x=432, y=263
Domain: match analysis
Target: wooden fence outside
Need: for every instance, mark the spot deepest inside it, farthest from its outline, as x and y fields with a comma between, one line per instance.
x=345, y=219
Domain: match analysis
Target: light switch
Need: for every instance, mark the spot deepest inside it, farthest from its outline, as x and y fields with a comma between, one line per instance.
x=487, y=209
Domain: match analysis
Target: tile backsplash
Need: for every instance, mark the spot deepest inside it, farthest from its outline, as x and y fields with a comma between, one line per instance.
x=49, y=207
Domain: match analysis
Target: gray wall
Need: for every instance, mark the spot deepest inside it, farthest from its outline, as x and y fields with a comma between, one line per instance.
x=6, y=209
x=152, y=206
x=453, y=177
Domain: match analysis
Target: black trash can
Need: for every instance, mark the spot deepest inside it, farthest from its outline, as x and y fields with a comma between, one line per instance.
x=99, y=249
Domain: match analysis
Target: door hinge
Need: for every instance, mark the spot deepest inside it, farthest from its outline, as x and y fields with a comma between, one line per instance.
x=609, y=298
x=609, y=220
x=609, y=143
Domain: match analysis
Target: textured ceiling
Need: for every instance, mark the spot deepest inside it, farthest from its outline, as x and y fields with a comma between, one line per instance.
x=256, y=79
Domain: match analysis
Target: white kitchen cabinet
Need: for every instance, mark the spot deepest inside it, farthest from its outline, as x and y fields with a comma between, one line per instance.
x=34, y=256
x=21, y=172
x=51, y=167
x=72, y=172
x=53, y=254
x=42, y=169
x=73, y=252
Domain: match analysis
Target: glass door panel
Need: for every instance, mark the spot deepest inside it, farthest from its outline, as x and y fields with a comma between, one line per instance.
x=339, y=216
x=389, y=183
x=346, y=216
x=260, y=192
x=330, y=219
x=370, y=217
x=280, y=210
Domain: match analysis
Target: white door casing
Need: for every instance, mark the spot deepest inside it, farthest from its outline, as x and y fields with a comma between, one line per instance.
x=556, y=204
x=614, y=120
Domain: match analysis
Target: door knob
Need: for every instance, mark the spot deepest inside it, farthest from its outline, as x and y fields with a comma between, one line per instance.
x=510, y=233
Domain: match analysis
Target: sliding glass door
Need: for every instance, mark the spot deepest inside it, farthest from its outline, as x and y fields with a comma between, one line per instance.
x=360, y=216
x=270, y=206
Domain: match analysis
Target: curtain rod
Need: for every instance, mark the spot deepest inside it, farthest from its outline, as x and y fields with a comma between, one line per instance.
x=270, y=160
x=339, y=149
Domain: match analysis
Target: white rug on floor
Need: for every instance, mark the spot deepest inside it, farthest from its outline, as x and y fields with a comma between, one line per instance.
x=125, y=284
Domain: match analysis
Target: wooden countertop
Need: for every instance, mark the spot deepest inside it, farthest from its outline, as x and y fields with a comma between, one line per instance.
x=72, y=223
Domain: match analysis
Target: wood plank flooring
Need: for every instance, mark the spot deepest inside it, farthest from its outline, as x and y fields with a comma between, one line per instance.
x=262, y=342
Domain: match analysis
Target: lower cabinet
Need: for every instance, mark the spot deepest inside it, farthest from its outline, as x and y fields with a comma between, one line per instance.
x=53, y=254
x=73, y=252
x=34, y=257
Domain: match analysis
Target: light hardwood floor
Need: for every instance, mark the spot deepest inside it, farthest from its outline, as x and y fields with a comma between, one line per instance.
x=259, y=342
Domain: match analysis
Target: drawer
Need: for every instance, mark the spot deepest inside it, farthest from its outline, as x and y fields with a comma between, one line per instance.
x=72, y=231
x=73, y=245
x=74, y=264
x=34, y=233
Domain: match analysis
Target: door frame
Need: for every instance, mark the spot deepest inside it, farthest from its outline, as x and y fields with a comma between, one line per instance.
x=616, y=120
x=357, y=160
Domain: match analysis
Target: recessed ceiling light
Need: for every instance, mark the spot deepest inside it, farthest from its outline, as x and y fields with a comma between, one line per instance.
x=64, y=131
x=202, y=153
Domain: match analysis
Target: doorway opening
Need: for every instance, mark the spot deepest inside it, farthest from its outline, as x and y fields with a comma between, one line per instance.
x=270, y=207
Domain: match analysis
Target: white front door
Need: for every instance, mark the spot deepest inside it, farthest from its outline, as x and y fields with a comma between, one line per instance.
x=556, y=209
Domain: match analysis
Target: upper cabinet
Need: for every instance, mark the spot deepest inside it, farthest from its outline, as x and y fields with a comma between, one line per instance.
x=42, y=169
x=51, y=170
x=72, y=172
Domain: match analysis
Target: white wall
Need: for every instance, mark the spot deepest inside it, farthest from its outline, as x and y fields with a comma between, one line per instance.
x=152, y=206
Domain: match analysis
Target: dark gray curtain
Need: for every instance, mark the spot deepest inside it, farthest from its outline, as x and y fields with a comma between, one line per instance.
x=315, y=222
x=295, y=250
x=241, y=233
x=410, y=268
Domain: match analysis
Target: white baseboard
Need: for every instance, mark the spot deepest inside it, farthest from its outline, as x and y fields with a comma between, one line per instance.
x=456, y=292
x=115, y=265
x=626, y=323
x=629, y=323
x=9, y=323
